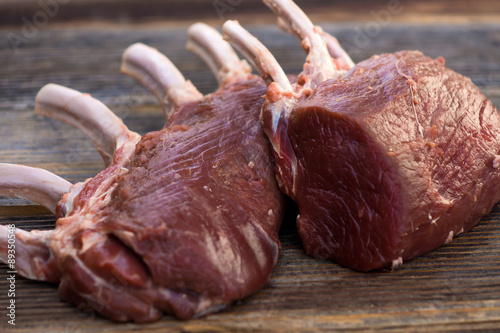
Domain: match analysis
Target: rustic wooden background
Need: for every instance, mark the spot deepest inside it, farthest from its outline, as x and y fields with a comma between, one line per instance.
x=455, y=288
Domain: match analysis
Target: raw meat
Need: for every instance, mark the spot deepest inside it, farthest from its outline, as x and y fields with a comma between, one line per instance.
x=183, y=220
x=387, y=161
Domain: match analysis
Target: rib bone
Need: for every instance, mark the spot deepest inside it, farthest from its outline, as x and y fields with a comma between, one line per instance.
x=256, y=53
x=157, y=73
x=33, y=259
x=32, y=256
x=101, y=125
x=334, y=48
x=37, y=185
x=319, y=65
x=208, y=44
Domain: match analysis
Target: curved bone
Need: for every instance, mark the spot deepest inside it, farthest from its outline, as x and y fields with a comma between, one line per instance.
x=334, y=48
x=33, y=259
x=256, y=53
x=319, y=65
x=157, y=73
x=92, y=117
x=37, y=185
x=208, y=44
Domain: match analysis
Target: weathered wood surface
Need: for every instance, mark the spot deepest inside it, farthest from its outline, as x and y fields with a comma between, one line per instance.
x=455, y=288
x=214, y=11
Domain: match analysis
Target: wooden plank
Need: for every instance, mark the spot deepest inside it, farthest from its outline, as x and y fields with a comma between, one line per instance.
x=453, y=288
x=121, y=12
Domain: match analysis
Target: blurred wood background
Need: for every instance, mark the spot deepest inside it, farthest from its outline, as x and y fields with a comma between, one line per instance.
x=213, y=11
x=78, y=43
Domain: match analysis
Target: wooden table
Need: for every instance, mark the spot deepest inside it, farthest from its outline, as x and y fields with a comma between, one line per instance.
x=454, y=288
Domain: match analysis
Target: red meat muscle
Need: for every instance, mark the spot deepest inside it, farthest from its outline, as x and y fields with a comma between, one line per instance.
x=183, y=220
x=387, y=161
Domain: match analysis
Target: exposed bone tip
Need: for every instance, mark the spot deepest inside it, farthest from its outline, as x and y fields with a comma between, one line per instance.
x=46, y=95
x=136, y=46
x=40, y=96
x=156, y=72
x=193, y=28
x=208, y=43
x=133, y=51
x=228, y=28
x=192, y=32
x=312, y=43
x=51, y=87
x=31, y=183
x=229, y=25
x=86, y=113
x=256, y=54
x=130, y=49
x=45, y=88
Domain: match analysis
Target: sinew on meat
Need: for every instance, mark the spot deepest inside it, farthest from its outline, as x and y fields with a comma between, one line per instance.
x=183, y=220
x=387, y=161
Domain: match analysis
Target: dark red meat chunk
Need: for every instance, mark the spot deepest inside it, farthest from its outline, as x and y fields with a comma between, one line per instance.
x=191, y=226
x=390, y=161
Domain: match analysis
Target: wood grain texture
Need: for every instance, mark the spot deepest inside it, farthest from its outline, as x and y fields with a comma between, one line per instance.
x=215, y=11
x=455, y=288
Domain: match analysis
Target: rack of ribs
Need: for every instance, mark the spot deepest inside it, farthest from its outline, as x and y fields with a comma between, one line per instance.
x=387, y=160
x=183, y=220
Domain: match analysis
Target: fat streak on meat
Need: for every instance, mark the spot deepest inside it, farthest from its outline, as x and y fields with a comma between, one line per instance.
x=387, y=161
x=183, y=220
